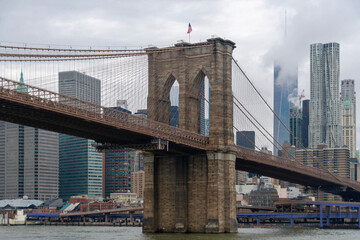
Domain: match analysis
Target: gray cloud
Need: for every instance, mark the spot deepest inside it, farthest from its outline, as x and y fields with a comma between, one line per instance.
x=257, y=27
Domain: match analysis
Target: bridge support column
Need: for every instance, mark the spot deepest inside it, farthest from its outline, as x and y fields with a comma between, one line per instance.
x=193, y=193
x=221, y=195
x=150, y=210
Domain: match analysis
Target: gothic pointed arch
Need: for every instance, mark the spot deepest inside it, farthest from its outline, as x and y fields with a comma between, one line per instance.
x=169, y=82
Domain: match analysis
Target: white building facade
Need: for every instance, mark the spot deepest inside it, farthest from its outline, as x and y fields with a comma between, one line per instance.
x=325, y=117
x=348, y=112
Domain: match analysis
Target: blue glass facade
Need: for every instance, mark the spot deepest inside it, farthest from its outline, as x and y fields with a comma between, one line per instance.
x=285, y=89
x=174, y=116
x=80, y=167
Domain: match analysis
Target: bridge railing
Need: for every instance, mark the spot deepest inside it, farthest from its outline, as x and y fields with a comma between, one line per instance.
x=43, y=98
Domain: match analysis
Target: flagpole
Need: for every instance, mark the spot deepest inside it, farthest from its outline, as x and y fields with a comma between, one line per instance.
x=189, y=31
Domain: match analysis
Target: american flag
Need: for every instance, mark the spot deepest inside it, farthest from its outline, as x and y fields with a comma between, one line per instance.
x=189, y=29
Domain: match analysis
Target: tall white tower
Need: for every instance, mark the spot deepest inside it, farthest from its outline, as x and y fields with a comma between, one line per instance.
x=325, y=118
x=348, y=111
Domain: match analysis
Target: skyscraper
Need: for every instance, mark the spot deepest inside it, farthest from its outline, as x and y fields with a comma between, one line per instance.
x=80, y=164
x=119, y=164
x=325, y=118
x=295, y=117
x=305, y=123
x=138, y=183
x=348, y=112
x=29, y=161
x=244, y=139
x=139, y=161
x=285, y=89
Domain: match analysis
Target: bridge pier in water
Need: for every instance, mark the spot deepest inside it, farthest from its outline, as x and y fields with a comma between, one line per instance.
x=194, y=193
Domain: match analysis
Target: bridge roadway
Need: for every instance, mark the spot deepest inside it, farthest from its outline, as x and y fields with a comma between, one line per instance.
x=51, y=111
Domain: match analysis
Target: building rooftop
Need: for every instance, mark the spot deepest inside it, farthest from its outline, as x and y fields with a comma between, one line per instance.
x=58, y=202
x=20, y=203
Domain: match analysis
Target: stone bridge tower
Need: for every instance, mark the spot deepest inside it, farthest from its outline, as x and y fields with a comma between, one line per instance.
x=192, y=192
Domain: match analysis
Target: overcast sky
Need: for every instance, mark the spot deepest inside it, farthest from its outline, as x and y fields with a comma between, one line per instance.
x=256, y=26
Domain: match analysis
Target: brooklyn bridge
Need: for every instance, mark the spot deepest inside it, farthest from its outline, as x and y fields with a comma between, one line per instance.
x=190, y=177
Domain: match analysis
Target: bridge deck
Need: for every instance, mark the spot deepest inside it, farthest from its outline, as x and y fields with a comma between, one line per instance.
x=285, y=169
x=55, y=112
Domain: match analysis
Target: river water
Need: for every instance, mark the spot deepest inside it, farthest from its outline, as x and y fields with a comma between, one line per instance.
x=129, y=233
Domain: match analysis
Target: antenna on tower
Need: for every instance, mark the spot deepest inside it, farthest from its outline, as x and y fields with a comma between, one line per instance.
x=285, y=23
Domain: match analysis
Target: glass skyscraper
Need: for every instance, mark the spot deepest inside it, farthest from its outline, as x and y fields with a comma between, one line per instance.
x=325, y=118
x=305, y=123
x=119, y=164
x=80, y=164
x=295, y=127
x=285, y=89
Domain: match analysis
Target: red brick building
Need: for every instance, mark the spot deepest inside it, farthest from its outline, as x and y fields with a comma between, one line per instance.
x=93, y=206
